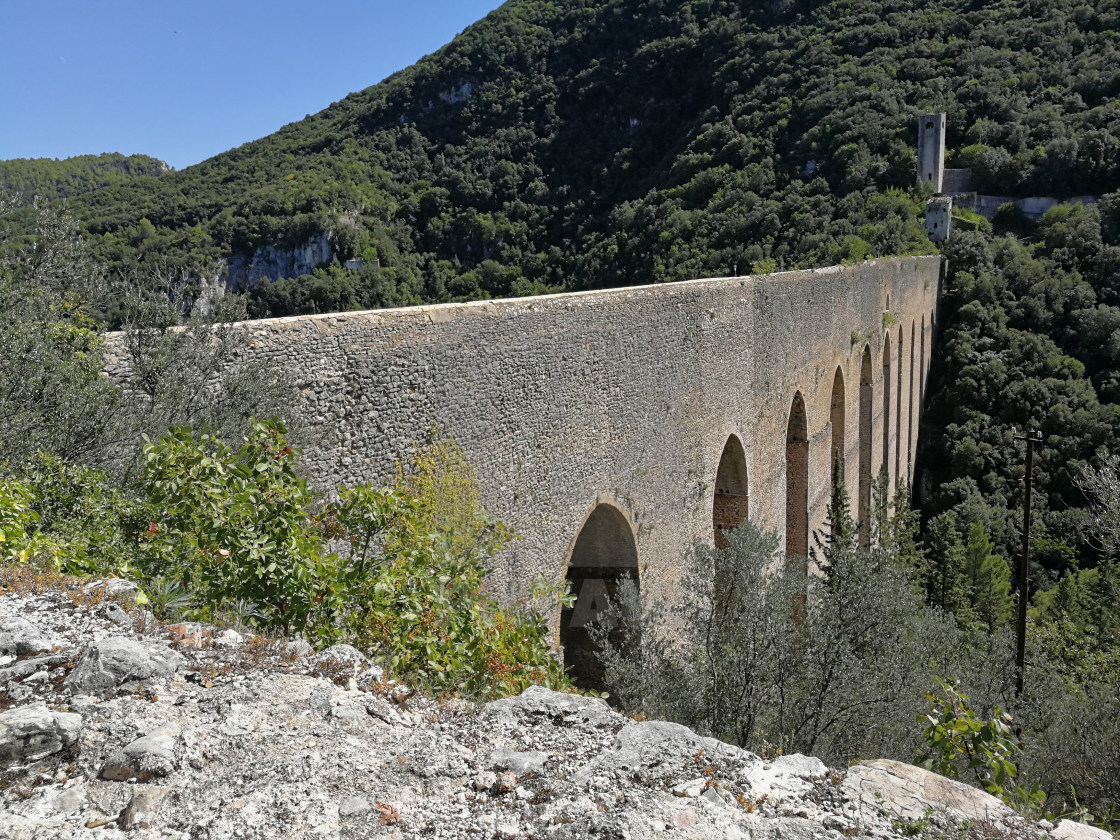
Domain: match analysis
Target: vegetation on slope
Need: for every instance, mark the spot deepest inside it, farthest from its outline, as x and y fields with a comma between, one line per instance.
x=50, y=179
x=591, y=144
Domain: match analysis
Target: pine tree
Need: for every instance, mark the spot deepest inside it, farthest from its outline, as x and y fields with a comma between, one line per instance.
x=841, y=533
x=990, y=579
x=944, y=569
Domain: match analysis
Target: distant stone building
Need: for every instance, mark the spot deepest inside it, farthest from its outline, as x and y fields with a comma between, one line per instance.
x=931, y=151
x=939, y=217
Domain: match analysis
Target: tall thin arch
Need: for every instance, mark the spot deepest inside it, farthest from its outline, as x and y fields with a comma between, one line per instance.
x=836, y=416
x=605, y=552
x=922, y=367
x=729, y=507
x=913, y=418
x=898, y=442
x=886, y=467
x=866, y=397
x=797, y=480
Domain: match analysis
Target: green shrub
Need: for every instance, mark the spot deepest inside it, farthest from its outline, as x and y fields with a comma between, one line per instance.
x=956, y=739
x=399, y=571
x=237, y=527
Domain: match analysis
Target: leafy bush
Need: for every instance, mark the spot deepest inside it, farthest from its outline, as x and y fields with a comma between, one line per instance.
x=397, y=571
x=956, y=740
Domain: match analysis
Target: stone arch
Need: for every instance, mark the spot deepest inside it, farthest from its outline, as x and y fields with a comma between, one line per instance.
x=898, y=442
x=797, y=480
x=886, y=466
x=913, y=415
x=729, y=506
x=837, y=415
x=922, y=367
x=604, y=553
x=866, y=416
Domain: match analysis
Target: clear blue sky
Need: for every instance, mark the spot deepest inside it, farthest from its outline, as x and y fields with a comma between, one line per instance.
x=183, y=80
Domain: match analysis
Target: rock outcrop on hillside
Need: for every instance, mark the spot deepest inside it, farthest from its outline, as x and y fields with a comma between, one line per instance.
x=111, y=724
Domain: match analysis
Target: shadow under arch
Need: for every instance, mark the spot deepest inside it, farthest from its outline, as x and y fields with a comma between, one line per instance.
x=866, y=416
x=886, y=462
x=729, y=505
x=797, y=480
x=604, y=553
x=837, y=418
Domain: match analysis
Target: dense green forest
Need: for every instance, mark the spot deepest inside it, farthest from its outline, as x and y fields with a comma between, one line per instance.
x=590, y=144
x=27, y=178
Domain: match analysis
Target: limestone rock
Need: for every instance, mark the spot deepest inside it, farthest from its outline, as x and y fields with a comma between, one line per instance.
x=536, y=701
x=31, y=733
x=142, y=808
x=145, y=758
x=111, y=662
x=1070, y=830
x=116, y=614
x=911, y=792
x=118, y=589
x=519, y=763
x=19, y=637
x=784, y=776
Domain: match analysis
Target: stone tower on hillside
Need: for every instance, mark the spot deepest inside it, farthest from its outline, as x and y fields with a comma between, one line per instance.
x=931, y=150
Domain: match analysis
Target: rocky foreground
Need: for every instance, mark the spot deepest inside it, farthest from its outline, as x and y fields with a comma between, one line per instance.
x=111, y=724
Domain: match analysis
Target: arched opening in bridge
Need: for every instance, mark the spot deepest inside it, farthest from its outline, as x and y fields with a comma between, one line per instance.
x=604, y=554
x=836, y=414
x=922, y=366
x=729, y=507
x=898, y=444
x=797, y=480
x=913, y=425
x=866, y=414
x=886, y=468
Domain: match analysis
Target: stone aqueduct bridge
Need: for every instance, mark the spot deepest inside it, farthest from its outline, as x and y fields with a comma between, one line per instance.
x=614, y=429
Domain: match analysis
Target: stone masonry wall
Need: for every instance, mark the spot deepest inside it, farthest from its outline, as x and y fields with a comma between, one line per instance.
x=625, y=396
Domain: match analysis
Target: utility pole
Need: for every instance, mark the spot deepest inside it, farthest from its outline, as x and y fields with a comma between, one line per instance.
x=1021, y=622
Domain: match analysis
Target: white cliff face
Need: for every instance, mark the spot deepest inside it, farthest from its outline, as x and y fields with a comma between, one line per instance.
x=196, y=733
x=272, y=263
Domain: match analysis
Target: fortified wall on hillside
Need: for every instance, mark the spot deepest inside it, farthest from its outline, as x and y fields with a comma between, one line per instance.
x=614, y=429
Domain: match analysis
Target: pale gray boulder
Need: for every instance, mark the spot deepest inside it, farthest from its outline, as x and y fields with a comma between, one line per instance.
x=519, y=763
x=912, y=793
x=1070, y=830
x=19, y=637
x=145, y=758
x=142, y=808
x=538, y=702
x=31, y=733
x=112, y=662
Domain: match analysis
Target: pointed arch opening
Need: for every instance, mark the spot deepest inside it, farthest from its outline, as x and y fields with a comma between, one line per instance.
x=886, y=464
x=912, y=425
x=837, y=414
x=604, y=554
x=729, y=507
x=922, y=367
x=797, y=480
x=866, y=395
x=898, y=441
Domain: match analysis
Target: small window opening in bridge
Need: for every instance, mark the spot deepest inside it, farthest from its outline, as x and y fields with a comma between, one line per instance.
x=604, y=554
x=887, y=406
x=866, y=394
x=729, y=507
x=898, y=442
x=929, y=125
x=797, y=480
x=836, y=417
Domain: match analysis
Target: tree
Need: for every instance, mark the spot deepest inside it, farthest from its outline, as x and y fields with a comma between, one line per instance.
x=989, y=578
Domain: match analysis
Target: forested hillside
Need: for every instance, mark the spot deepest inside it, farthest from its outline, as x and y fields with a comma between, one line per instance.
x=26, y=178
x=582, y=144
